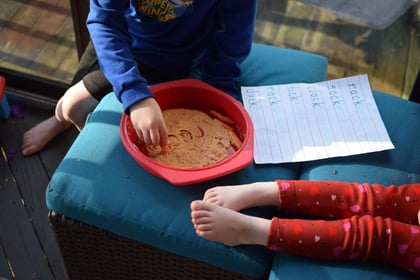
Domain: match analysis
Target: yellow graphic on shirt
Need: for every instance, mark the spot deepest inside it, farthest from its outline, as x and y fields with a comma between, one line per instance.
x=164, y=10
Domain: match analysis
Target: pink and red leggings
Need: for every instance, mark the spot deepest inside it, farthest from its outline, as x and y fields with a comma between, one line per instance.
x=361, y=221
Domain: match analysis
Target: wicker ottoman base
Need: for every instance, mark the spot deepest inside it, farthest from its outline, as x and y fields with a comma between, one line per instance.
x=92, y=253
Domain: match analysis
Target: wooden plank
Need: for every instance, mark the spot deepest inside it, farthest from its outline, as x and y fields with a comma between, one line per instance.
x=388, y=75
x=17, y=236
x=69, y=57
x=16, y=29
x=4, y=266
x=27, y=31
x=297, y=19
x=55, y=151
x=8, y=9
x=32, y=179
x=59, y=58
x=40, y=20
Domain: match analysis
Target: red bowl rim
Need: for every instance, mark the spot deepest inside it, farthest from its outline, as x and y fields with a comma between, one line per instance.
x=186, y=176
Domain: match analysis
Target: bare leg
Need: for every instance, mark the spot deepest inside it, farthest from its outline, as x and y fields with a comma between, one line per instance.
x=240, y=197
x=232, y=228
x=75, y=106
x=72, y=108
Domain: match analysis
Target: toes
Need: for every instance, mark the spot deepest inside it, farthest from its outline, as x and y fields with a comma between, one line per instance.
x=204, y=227
x=212, y=200
x=196, y=205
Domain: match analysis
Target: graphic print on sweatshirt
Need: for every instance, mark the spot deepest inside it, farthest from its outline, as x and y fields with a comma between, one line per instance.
x=164, y=10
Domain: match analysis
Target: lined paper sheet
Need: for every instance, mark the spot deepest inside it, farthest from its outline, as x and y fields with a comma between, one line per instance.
x=304, y=122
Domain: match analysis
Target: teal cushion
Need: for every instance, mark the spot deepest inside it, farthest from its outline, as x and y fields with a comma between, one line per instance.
x=290, y=267
x=98, y=183
x=271, y=65
x=398, y=166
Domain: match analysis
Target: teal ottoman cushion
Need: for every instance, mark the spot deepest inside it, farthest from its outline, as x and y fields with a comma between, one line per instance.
x=98, y=182
x=271, y=65
x=398, y=166
x=290, y=267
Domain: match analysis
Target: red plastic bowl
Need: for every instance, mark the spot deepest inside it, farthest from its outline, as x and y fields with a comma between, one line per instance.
x=195, y=94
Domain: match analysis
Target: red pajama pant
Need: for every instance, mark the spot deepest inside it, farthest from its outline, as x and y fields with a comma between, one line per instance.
x=365, y=221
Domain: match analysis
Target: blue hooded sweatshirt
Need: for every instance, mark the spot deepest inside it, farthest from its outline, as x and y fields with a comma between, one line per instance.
x=173, y=37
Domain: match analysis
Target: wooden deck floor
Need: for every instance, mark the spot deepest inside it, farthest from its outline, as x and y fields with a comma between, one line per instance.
x=37, y=38
x=28, y=249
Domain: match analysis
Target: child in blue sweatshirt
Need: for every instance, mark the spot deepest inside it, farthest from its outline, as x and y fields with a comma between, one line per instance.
x=136, y=43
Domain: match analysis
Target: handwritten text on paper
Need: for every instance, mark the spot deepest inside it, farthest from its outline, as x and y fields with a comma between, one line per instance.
x=303, y=122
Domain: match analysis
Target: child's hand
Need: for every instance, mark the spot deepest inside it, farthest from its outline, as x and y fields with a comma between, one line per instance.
x=148, y=122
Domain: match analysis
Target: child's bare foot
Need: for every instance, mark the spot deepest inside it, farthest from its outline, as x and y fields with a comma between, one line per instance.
x=35, y=139
x=227, y=226
x=240, y=197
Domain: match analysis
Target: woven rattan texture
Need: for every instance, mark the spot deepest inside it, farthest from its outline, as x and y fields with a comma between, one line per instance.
x=92, y=253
